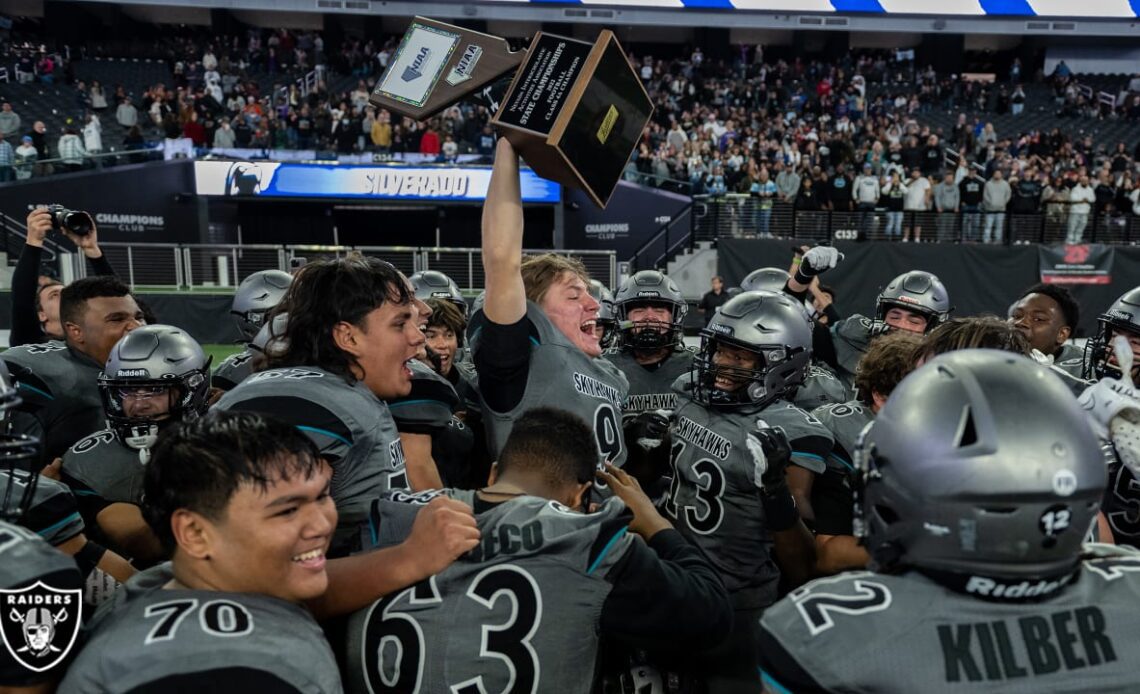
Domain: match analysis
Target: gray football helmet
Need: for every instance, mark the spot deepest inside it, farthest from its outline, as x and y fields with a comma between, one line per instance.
x=18, y=453
x=146, y=363
x=649, y=287
x=774, y=328
x=1122, y=317
x=916, y=291
x=768, y=279
x=433, y=284
x=271, y=339
x=605, y=320
x=254, y=298
x=954, y=482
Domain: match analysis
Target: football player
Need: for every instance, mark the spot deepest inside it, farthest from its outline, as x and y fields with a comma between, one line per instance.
x=353, y=326
x=59, y=380
x=889, y=359
x=535, y=342
x=155, y=376
x=916, y=301
x=730, y=492
x=255, y=297
x=1121, y=318
x=606, y=325
x=242, y=505
x=1048, y=315
x=978, y=577
x=433, y=284
x=463, y=462
x=524, y=610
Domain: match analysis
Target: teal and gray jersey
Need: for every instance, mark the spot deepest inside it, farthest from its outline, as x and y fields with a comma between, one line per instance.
x=25, y=559
x=866, y=632
x=148, y=638
x=1071, y=360
x=52, y=513
x=563, y=376
x=350, y=426
x=60, y=390
x=428, y=406
x=102, y=471
x=428, y=410
x=651, y=389
x=519, y=613
x=846, y=422
x=821, y=387
x=852, y=337
x=715, y=492
x=235, y=369
x=831, y=494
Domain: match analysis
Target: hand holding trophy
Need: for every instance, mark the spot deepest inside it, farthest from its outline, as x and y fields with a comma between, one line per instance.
x=575, y=111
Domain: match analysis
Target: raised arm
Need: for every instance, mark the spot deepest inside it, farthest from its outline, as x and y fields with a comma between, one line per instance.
x=502, y=240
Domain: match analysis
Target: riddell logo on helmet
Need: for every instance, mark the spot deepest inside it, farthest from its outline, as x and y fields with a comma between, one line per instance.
x=132, y=372
x=648, y=293
x=907, y=300
x=722, y=329
x=1117, y=314
x=989, y=588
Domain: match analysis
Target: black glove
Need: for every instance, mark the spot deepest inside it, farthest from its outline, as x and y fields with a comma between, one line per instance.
x=648, y=430
x=778, y=454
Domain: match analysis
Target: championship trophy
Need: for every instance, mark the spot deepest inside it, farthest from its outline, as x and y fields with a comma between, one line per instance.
x=574, y=111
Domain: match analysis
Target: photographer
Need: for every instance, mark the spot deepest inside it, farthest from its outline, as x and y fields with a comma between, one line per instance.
x=35, y=303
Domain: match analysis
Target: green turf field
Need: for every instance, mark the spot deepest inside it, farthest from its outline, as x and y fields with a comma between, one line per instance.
x=220, y=352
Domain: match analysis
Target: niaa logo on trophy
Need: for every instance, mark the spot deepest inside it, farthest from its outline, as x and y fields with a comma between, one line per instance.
x=39, y=624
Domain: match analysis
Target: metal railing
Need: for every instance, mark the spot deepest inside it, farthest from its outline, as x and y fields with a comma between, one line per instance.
x=672, y=237
x=741, y=216
x=166, y=266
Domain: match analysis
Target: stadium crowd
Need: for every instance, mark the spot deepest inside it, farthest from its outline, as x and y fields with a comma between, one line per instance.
x=803, y=136
x=389, y=489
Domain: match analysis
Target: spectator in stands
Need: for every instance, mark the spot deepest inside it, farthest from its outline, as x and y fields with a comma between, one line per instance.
x=787, y=182
x=764, y=190
x=71, y=151
x=25, y=159
x=46, y=69
x=893, y=192
x=224, y=136
x=995, y=197
x=931, y=157
x=1026, y=203
x=1081, y=198
x=39, y=139
x=866, y=192
x=9, y=120
x=7, y=161
x=1105, y=193
x=25, y=69
x=209, y=60
x=93, y=134
x=194, y=130
x=946, y=198
x=916, y=202
x=98, y=96
x=429, y=143
x=970, y=191
x=1017, y=100
x=126, y=114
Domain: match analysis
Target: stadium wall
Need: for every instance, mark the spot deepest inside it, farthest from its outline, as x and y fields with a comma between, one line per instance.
x=143, y=203
x=980, y=279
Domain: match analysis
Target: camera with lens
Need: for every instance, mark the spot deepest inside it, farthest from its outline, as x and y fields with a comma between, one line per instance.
x=63, y=219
